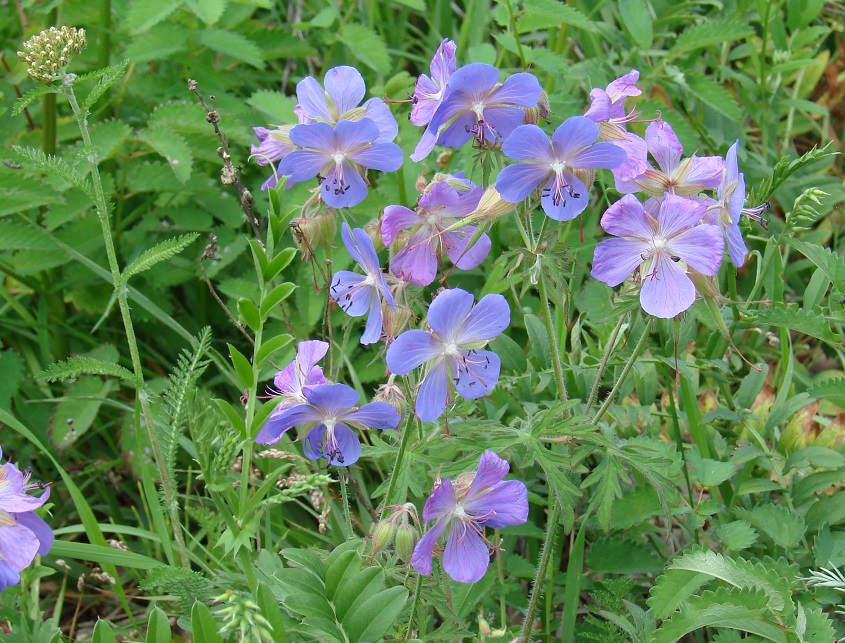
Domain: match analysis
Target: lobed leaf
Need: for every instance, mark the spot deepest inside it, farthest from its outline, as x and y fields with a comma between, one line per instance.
x=171, y=146
x=158, y=253
x=803, y=321
x=144, y=14
x=712, y=32
x=31, y=96
x=73, y=367
x=58, y=167
x=367, y=46
x=108, y=78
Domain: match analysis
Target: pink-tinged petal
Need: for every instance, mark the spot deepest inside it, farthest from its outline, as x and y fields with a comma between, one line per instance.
x=466, y=203
x=700, y=248
x=442, y=195
x=352, y=136
x=332, y=400
x=350, y=295
x=574, y=199
x=13, y=496
x=441, y=502
x=416, y=263
x=395, y=219
x=737, y=200
x=303, y=370
x=448, y=312
x=678, y=213
x=503, y=121
x=667, y=291
x=599, y=155
x=385, y=157
x=488, y=318
x=375, y=321
x=412, y=349
x=516, y=182
x=599, y=109
x=627, y=218
x=572, y=136
x=377, y=111
x=736, y=245
x=456, y=247
x=491, y=470
x=521, y=89
x=426, y=144
x=431, y=398
x=627, y=186
x=458, y=132
x=309, y=352
x=312, y=99
x=345, y=86
x=423, y=552
x=706, y=171
x=466, y=557
x=636, y=161
x=476, y=373
x=375, y=415
x=616, y=259
x=344, y=187
x=444, y=62
x=302, y=165
x=731, y=165
x=529, y=143
x=423, y=110
x=475, y=81
x=277, y=425
x=38, y=527
x=504, y=505
x=663, y=145
x=18, y=546
x=625, y=86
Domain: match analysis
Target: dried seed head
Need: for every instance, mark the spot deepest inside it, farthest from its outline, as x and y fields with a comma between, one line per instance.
x=48, y=53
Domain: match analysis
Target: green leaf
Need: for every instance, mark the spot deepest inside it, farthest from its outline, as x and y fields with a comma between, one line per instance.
x=143, y=14
x=606, y=478
x=158, y=628
x=539, y=340
x=784, y=527
x=511, y=354
x=636, y=19
x=671, y=589
x=711, y=32
x=54, y=165
x=108, y=136
x=12, y=368
x=714, y=95
x=275, y=297
x=367, y=47
x=279, y=263
x=550, y=14
x=103, y=632
x=249, y=313
x=736, y=535
x=14, y=236
x=232, y=44
x=825, y=259
x=709, y=473
x=372, y=619
x=172, y=147
x=158, y=253
x=418, y=5
x=785, y=168
x=159, y=43
x=804, y=321
x=831, y=387
x=73, y=367
x=102, y=554
x=75, y=414
x=277, y=107
x=31, y=96
x=110, y=75
x=271, y=346
x=203, y=626
x=209, y=11
x=269, y=607
x=242, y=367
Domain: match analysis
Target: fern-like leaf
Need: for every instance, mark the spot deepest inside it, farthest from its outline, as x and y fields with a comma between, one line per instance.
x=73, y=367
x=187, y=585
x=786, y=168
x=109, y=77
x=56, y=166
x=31, y=96
x=158, y=253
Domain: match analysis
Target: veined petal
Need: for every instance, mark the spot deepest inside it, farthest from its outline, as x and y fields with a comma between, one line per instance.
x=350, y=295
x=441, y=502
x=37, y=526
x=625, y=86
x=736, y=245
x=312, y=98
x=332, y=400
x=350, y=243
x=606, y=155
x=416, y=263
x=367, y=251
x=8, y=576
x=343, y=187
x=456, y=243
x=529, y=143
x=700, y=247
x=663, y=145
x=421, y=559
x=491, y=470
x=573, y=201
x=314, y=136
x=444, y=62
x=458, y=131
x=340, y=445
x=503, y=121
x=375, y=320
x=345, y=86
x=412, y=349
x=448, y=312
x=272, y=431
x=352, y=136
x=395, y=219
x=737, y=200
x=616, y=259
x=504, y=505
x=476, y=80
x=476, y=373
x=627, y=218
x=677, y=214
x=431, y=398
x=516, y=182
x=375, y=415
x=486, y=320
x=426, y=144
x=599, y=109
x=378, y=112
x=667, y=291
x=302, y=165
x=521, y=89
x=731, y=165
x=18, y=545
x=636, y=160
x=386, y=157
x=572, y=136
x=466, y=557
x=706, y=171
x=13, y=496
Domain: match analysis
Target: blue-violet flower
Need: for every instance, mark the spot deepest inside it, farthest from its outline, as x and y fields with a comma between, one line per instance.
x=428, y=93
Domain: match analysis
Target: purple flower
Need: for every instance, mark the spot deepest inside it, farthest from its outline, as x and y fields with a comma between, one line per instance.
x=273, y=145
x=328, y=411
x=339, y=157
x=572, y=147
x=428, y=94
x=729, y=207
x=664, y=249
x=296, y=377
x=344, y=92
x=453, y=349
x=358, y=294
x=607, y=105
x=685, y=177
x=439, y=208
x=23, y=534
x=465, y=507
x=476, y=105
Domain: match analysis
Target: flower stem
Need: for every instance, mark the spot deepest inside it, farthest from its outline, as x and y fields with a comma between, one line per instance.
x=550, y=330
x=345, y=498
x=403, y=444
x=414, y=606
x=542, y=566
x=611, y=342
x=121, y=292
x=628, y=366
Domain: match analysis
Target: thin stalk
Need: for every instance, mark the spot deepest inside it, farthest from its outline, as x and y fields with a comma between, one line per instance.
x=347, y=517
x=542, y=566
x=625, y=371
x=550, y=330
x=414, y=604
x=121, y=293
x=403, y=444
x=611, y=342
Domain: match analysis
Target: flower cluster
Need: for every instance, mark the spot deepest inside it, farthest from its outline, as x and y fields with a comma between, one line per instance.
x=48, y=53
x=23, y=534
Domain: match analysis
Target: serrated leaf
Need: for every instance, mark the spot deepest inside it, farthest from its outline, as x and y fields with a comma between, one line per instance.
x=367, y=46
x=803, y=321
x=784, y=527
x=159, y=43
x=712, y=32
x=606, y=478
x=708, y=472
x=828, y=388
x=158, y=253
x=107, y=136
x=109, y=77
x=232, y=44
x=712, y=94
x=546, y=14
x=14, y=236
x=209, y=11
x=56, y=166
x=736, y=535
x=73, y=367
x=143, y=14
x=825, y=259
x=277, y=107
x=31, y=96
x=171, y=146
x=671, y=589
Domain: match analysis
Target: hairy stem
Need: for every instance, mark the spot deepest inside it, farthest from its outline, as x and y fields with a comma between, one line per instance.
x=611, y=342
x=542, y=566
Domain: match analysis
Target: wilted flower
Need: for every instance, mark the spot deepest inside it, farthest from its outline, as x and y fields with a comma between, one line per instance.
x=439, y=208
x=23, y=534
x=339, y=157
x=359, y=294
x=572, y=147
x=428, y=93
x=453, y=349
x=465, y=507
x=663, y=246
x=328, y=412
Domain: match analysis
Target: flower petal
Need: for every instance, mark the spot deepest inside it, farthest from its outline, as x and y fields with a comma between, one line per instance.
x=477, y=373
x=302, y=165
x=395, y=219
x=448, y=312
x=488, y=318
x=375, y=415
x=13, y=496
x=516, y=182
x=8, y=576
x=616, y=259
x=572, y=136
x=663, y=145
x=628, y=218
x=491, y=470
x=344, y=187
x=444, y=62
x=475, y=81
x=350, y=295
x=368, y=259
x=18, y=545
x=677, y=214
x=458, y=131
x=736, y=245
x=700, y=247
x=273, y=429
x=706, y=171
x=375, y=320
x=521, y=89
x=352, y=136
x=431, y=398
x=636, y=161
x=503, y=121
x=345, y=86
x=606, y=155
x=570, y=204
x=426, y=144
x=412, y=349
x=466, y=557
x=441, y=502
x=340, y=446
x=416, y=263
x=667, y=291
x=377, y=111
x=37, y=526
x=625, y=86
x=423, y=552
x=312, y=99
x=314, y=136
x=456, y=243
x=332, y=400
x=505, y=504
x=529, y=143
x=386, y=157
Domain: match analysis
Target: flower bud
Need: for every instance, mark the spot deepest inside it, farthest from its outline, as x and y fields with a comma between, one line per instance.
x=383, y=535
x=539, y=112
x=393, y=395
x=314, y=230
x=373, y=230
x=491, y=206
x=406, y=539
x=48, y=53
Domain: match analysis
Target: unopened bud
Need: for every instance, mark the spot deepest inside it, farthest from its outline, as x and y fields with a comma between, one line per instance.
x=706, y=285
x=373, y=230
x=491, y=206
x=383, y=535
x=539, y=112
x=314, y=230
x=459, y=183
x=48, y=53
x=395, y=321
x=406, y=539
x=393, y=395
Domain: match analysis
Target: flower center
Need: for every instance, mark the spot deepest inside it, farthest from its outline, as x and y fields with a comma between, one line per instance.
x=659, y=244
x=450, y=349
x=478, y=108
x=460, y=513
x=339, y=158
x=558, y=166
x=330, y=424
